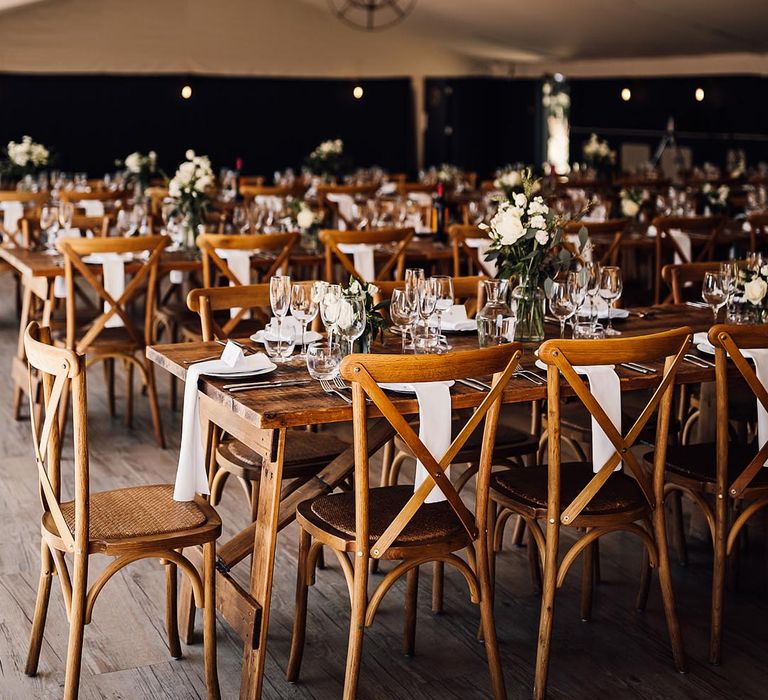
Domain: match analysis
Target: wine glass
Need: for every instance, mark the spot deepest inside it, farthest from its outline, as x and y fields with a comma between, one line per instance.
x=561, y=303
x=593, y=287
x=611, y=286
x=714, y=291
x=402, y=312
x=329, y=308
x=49, y=228
x=280, y=299
x=351, y=320
x=728, y=273
x=66, y=212
x=426, y=298
x=577, y=281
x=303, y=308
x=413, y=276
x=444, y=288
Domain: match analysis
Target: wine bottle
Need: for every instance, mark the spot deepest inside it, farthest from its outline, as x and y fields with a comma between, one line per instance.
x=440, y=215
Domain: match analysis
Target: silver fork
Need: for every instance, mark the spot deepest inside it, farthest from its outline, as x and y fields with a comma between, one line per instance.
x=339, y=383
x=530, y=376
x=325, y=385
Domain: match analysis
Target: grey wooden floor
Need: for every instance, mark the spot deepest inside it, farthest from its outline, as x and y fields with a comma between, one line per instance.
x=619, y=654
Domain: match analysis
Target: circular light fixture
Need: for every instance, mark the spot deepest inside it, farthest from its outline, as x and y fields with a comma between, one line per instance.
x=699, y=94
x=186, y=92
x=559, y=77
x=358, y=92
x=371, y=15
x=626, y=94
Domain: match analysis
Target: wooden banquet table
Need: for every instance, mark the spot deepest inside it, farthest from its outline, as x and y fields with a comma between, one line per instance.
x=261, y=419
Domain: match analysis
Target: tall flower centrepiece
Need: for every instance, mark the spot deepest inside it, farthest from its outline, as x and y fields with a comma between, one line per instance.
x=190, y=189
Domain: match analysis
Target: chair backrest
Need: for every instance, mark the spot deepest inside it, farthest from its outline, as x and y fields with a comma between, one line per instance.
x=98, y=225
x=55, y=367
x=468, y=290
x=207, y=300
x=323, y=191
x=561, y=356
x=145, y=251
x=678, y=277
x=730, y=341
x=366, y=371
x=94, y=195
x=604, y=238
x=459, y=234
x=275, y=247
x=32, y=202
x=399, y=238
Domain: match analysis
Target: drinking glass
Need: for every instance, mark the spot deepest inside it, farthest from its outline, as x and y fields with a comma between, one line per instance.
x=49, y=228
x=714, y=291
x=561, y=304
x=444, y=288
x=413, y=276
x=66, y=212
x=426, y=340
x=426, y=298
x=303, y=308
x=611, y=286
x=279, y=340
x=280, y=299
x=330, y=307
x=402, y=313
x=323, y=360
x=593, y=287
x=728, y=274
x=352, y=319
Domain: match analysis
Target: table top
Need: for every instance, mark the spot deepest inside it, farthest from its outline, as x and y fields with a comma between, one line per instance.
x=280, y=407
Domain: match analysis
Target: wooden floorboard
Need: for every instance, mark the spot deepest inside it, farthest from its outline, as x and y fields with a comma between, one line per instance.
x=619, y=654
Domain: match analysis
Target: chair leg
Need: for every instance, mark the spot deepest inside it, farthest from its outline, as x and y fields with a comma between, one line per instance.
x=645, y=582
x=534, y=562
x=300, y=610
x=676, y=527
x=129, y=394
x=76, y=627
x=171, y=610
x=411, y=607
x=109, y=380
x=667, y=593
x=41, y=609
x=485, y=553
x=356, y=627
x=153, y=406
x=394, y=470
x=438, y=579
x=718, y=580
x=518, y=532
x=18, y=395
x=217, y=485
x=587, y=581
x=209, y=620
x=187, y=614
x=547, y=610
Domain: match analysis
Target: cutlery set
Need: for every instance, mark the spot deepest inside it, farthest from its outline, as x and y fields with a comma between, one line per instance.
x=634, y=366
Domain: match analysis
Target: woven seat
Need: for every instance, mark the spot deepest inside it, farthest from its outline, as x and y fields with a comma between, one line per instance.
x=139, y=511
x=527, y=486
x=335, y=514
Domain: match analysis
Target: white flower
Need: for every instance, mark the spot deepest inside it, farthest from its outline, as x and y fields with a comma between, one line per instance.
x=537, y=206
x=629, y=208
x=520, y=200
x=133, y=163
x=305, y=218
x=542, y=237
x=764, y=270
x=190, y=154
x=174, y=189
x=354, y=288
x=538, y=222
x=511, y=178
x=754, y=291
x=372, y=289
x=507, y=226
x=346, y=315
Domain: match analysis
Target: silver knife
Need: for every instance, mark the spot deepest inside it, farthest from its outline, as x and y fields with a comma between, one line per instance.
x=265, y=385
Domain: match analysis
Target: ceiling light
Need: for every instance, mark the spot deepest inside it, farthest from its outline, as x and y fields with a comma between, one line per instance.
x=559, y=77
x=186, y=92
x=626, y=94
x=357, y=93
x=699, y=94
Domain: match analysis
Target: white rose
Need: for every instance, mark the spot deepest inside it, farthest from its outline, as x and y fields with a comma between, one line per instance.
x=629, y=207
x=538, y=222
x=174, y=189
x=754, y=291
x=133, y=163
x=508, y=227
x=764, y=270
x=203, y=183
x=372, y=289
x=520, y=200
x=190, y=154
x=305, y=218
x=542, y=237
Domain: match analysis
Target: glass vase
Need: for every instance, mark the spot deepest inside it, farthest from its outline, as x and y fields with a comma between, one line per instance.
x=495, y=321
x=528, y=303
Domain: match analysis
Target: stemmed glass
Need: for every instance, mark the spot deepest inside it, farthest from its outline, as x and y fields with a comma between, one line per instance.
x=714, y=291
x=562, y=303
x=728, y=273
x=413, y=277
x=352, y=319
x=577, y=281
x=444, y=287
x=611, y=286
x=280, y=299
x=402, y=312
x=303, y=309
x=593, y=287
x=66, y=212
x=49, y=226
x=426, y=299
x=330, y=306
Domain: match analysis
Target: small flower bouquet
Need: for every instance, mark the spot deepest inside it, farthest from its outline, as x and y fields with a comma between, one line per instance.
x=715, y=198
x=526, y=244
x=632, y=201
x=308, y=221
x=375, y=323
x=750, y=294
x=510, y=180
x=23, y=158
x=140, y=168
x=598, y=154
x=445, y=173
x=326, y=160
x=190, y=188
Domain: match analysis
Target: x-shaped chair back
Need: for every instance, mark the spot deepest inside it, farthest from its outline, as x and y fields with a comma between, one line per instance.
x=366, y=371
x=208, y=300
x=399, y=238
x=467, y=290
x=459, y=235
x=561, y=356
x=32, y=202
x=604, y=237
x=56, y=367
x=146, y=252
x=729, y=341
x=677, y=277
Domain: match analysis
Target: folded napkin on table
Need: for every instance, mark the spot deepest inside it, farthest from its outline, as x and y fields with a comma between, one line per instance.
x=191, y=473
x=455, y=319
x=363, y=258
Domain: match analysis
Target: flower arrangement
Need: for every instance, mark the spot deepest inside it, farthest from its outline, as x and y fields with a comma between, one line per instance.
x=327, y=159
x=25, y=157
x=139, y=169
x=750, y=290
x=716, y=198
x=308, y=221
x=632, y=201
x=190, y=188
x=445, y=173
x=374, y=320
x=598, y=154
x=510, y=180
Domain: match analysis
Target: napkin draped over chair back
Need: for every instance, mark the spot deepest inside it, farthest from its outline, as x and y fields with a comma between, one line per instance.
x=337, y=242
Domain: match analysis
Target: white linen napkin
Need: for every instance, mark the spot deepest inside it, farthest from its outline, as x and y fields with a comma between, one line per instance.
x=12, y=212
x=191, y=474
x=423, y=199
x=434, y=429
x=363, y=257
x=92, y=207
x=345, y=203
x=239, y=264
x=113, y=268
x=455, y=319
x=387, y=188
x=269, y=201
x=176, y=276
x=59, y=282
x=482, y=245
x=682, y=239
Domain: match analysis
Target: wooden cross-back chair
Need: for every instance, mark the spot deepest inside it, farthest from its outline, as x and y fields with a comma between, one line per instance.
x=108, y=344
x=274, y=248
x=758, y=230
x=128, y=524
x=397, y=238
x=572, y=495
x=304, y=456
x=467, y=290
x=683, y=275
x=726, y=479
x=604, y=238
x=394, y=522
x=113, y=199
x=323, y=191
x=704, y=232
x=462, y=251
x=32, y=203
